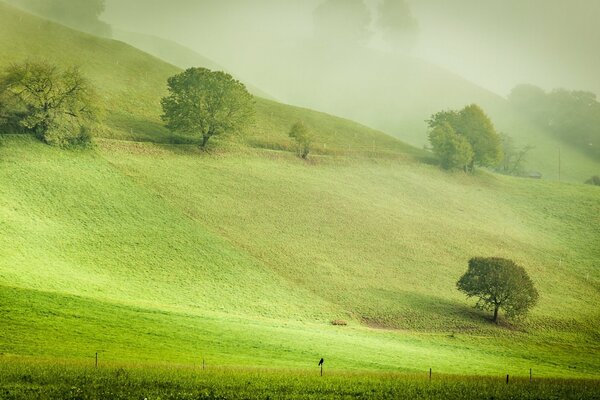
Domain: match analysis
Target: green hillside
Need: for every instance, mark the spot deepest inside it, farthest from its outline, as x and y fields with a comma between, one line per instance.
x=131, y=84
x=233, y=262
x=149, y=251
x=397, y=93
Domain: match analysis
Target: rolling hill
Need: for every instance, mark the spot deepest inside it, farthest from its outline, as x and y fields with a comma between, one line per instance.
x=150, y=251
x=397, y=93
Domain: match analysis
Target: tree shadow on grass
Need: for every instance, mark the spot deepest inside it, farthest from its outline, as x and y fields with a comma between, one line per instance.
x=416, y=311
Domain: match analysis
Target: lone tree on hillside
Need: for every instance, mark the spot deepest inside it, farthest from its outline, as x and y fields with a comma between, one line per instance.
x=206, y=103
x=498, y=283
x=59, y=106
x=300, y=133
x=476, y=127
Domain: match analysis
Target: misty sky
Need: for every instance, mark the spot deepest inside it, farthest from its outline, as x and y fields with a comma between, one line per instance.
x=496, y=44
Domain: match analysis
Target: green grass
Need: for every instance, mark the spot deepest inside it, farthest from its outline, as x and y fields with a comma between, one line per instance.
x=153, y=252
x=152, y=382
x=162, y=253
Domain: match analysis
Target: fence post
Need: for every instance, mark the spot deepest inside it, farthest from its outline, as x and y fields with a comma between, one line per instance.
x=507, y=379
x=429, y=373
x=96, y=359
x=530, y=375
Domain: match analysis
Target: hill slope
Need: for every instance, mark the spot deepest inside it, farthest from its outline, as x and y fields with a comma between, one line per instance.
x=131, y=84
x=397, y=93
x=131, y=249
x=157, y=252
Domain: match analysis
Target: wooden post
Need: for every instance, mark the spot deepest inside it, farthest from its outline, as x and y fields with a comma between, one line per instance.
x=429, y=373
x=530, y=375
x=203, y=365
x=96, y=359
x=507, y=379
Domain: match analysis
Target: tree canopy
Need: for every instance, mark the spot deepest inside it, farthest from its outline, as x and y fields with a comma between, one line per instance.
x=79, y=14
x=499, y=283
x=342, y=21
x=206, y=103
x=572, y=116
x=475, y=126
x=453, y=151
x=399, y=26
x=58, y=105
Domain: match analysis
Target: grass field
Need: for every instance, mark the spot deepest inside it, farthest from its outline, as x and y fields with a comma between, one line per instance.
x=150, y=252
x=159, y=252
x=155, y=382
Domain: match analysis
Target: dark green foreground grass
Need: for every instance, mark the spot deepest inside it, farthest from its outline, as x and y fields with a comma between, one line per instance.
x=38, y=381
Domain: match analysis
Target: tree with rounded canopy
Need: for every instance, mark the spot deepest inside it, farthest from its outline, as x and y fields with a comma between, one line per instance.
x=300, y=133
x=474, y=125
x=79, y=14
x=453, y=151
x=342, y=21
x=499, y=283
x=206, y=103
x=59, y=106
x=399, y=26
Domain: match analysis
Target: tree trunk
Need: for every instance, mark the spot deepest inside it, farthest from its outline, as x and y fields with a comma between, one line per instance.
x=204, y=141
x=496, y=307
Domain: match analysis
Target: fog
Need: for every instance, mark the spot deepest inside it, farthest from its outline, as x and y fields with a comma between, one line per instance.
x=386, y=67
x=496, y=44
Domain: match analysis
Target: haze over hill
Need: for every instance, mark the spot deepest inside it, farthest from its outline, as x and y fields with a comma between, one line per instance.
x=353, y=72
x=494, y=44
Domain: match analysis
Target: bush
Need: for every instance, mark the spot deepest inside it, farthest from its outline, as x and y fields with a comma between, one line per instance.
x=65, y=137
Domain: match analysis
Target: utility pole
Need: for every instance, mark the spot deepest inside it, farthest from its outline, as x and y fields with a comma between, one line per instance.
x=559, y=164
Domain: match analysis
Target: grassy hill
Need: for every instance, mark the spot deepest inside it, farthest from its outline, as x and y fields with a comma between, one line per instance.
x=149, y=251
x=397, y=93
x=131, y=84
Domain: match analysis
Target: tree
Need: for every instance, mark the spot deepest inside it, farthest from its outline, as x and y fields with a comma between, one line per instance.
x=453, y=151
x=498, y=283
x=58, y=106
x=300, y=133
x=79, y=14
x=476, y=127
x=513, y=159
x=206, y=103
x=572, y=116
x=342, y=22
x=399, y=26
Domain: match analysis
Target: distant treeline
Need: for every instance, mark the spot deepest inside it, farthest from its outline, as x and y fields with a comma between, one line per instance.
x=573, y=116
x=79, y=14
